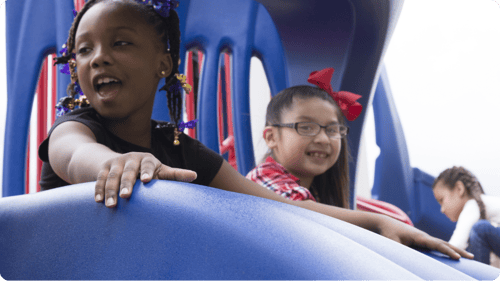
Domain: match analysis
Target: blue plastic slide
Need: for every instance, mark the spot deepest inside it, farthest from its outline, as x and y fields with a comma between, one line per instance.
x=173, y=230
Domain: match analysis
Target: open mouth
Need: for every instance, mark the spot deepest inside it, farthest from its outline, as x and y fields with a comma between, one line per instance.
x=107, y=84
x=317, y=154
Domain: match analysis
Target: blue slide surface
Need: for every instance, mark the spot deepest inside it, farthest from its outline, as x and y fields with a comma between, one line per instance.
x=173, y=230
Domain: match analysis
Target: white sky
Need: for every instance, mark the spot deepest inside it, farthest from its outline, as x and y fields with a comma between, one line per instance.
x=443, y=64
x=444, y=68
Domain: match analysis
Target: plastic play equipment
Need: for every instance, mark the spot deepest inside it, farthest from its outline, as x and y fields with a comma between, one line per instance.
x=173, y=230
x=395, y=181
x=181, y=231
x=30, y=37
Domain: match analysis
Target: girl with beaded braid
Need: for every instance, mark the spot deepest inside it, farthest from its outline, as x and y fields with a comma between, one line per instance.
x=166, y=23
x=122, y=49
x=462, y=200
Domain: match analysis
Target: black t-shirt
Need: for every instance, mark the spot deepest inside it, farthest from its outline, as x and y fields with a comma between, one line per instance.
x=190, y=154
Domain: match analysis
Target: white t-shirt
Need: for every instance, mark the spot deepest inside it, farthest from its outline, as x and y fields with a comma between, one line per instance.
x=470, y=215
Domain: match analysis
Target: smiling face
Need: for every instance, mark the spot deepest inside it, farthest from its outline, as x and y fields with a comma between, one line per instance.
x=119, y=60
x=452, y=201
x=306, y=156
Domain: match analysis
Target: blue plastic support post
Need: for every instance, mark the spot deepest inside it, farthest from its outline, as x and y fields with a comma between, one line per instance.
x=34, y=30
x=236, y=26
x=375, y=22
x=393, y=181
x=349, y=36
x=242, y=53
x=269, y=49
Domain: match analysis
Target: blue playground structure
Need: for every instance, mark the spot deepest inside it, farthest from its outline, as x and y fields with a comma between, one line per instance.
x=173, y=230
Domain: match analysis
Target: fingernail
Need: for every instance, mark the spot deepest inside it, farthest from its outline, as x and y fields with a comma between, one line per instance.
x=144, y=176
x=110, y=201
x=98, y=197
x=124, y=191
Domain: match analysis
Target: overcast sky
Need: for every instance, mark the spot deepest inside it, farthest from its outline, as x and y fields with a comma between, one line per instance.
x=443, y=64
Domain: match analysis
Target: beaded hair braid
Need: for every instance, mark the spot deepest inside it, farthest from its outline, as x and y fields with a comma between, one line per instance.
x=168, y=31
x=452, y=175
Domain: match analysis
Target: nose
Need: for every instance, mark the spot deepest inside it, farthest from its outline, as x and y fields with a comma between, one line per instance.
x=322, y=137
x=101, y=57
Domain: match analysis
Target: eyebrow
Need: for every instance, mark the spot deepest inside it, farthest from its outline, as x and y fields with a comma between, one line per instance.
x=117, y=28
x=312, y=120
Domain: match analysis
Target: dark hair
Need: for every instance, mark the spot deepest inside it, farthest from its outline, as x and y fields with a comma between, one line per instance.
x=450, y=177
x=332, y=187
x=169, y=33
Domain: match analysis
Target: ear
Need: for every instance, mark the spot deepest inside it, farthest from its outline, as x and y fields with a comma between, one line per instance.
x=270, y=136
x=460, y=188
x=165, y=65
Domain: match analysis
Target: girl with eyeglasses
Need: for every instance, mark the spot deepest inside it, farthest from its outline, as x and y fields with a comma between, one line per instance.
x=308, y=151
x=308, y=157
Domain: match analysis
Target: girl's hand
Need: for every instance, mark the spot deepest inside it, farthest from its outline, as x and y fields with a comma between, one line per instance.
x=121, y=172
x=411, y=236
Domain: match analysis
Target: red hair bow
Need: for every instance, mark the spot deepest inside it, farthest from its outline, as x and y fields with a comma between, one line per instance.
x=346, y=100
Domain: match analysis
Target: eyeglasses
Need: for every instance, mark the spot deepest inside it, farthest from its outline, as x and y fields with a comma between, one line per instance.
x=334, y=131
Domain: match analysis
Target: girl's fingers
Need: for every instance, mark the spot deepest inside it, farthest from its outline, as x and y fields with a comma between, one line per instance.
x=169, y=173
x=129, y=176
x=444, y=247
x=118, y=176
x=112, y=185
x=149, y=165
x=100, y=185
x=461, y=252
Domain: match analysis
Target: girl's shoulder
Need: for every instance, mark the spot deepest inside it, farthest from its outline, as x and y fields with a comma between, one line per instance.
x=267, y=166
x=87, y=116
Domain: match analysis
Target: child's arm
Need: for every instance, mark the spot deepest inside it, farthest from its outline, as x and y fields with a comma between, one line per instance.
x=229, y=179
x=76, y=157
x=468, y=217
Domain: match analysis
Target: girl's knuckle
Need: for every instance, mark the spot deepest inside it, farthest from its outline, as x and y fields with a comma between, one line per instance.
x=129, y=170
x=101, y=177
x=110, y=192
x=113, y=175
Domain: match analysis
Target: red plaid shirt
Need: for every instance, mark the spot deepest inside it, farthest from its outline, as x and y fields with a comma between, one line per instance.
x=275, y=177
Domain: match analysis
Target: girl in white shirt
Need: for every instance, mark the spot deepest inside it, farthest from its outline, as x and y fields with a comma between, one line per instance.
x=462, y=200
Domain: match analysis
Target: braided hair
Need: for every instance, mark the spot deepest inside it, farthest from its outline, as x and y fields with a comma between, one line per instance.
x=169, y=33
x=331, y=187
x=450, y=177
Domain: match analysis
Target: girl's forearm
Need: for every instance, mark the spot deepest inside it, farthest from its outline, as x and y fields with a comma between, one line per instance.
x=229, y=179
x=74, y=154
x=87, y=161
x=369, y=221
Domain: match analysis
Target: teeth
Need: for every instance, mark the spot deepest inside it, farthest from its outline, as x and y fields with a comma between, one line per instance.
x=106, y=80
x=317, y=154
